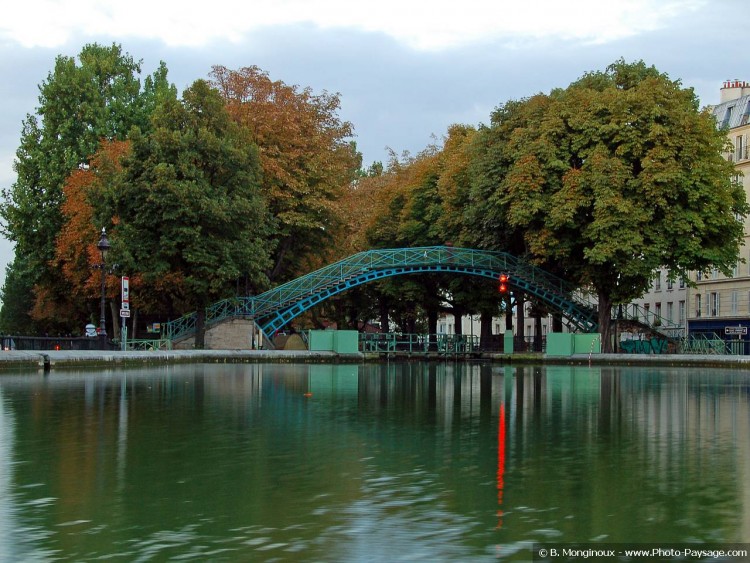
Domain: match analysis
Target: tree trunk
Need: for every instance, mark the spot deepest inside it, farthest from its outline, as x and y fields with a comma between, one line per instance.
x=538, y=332
x=485, y=331
x=508, y=313
x=605, y=322
x=458, y=326
x=285, y=245
x=557, y=322
x=432, y=320
x=383, y=315
x=200, y=328
x=115, y=312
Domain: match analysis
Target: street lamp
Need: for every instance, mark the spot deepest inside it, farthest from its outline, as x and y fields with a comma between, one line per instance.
x=103, y=246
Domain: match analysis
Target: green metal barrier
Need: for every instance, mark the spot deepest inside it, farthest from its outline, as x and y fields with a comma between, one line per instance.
x=443, y=344
x=149, y=345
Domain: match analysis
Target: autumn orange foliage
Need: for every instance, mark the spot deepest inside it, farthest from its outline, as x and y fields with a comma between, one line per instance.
x=75, y=250
x=304, y=149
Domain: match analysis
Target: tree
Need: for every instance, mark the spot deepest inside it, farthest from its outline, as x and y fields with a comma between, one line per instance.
x=17, y=299
x=191, y=216
x=617, y=176
x=307, y=157
x=74, y=299
x=79, y=105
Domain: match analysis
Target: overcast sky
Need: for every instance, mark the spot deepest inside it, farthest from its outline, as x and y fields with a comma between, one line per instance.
x=405, y=70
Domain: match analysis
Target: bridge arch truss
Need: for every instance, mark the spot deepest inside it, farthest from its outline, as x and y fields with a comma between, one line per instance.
x=275, y=308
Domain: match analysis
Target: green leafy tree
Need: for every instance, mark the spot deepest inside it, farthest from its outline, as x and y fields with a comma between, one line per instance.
x=191, y=216
x=616, y=176
x=17, y=300
x=98, y=96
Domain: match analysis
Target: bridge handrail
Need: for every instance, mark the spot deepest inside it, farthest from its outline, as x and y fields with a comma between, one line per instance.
x=335, y=274
x=657, y=323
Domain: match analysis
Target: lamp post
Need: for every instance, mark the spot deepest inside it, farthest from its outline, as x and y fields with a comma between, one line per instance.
x=103, y=246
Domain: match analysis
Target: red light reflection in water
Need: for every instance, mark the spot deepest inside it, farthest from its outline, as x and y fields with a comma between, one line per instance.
x=500, y=465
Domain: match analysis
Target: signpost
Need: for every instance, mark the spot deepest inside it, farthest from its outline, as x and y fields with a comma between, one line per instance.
x=735, y=330
x=125, y=310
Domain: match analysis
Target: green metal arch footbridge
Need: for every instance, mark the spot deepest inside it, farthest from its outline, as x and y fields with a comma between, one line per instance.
x=275, y=308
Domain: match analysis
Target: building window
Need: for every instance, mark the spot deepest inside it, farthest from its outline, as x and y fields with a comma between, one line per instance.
x=670, y=312
x=698, y=305
x=657, y=311
x=714, y=302
x=670, y=283
x=739, y=145
x=740, y=151
x=681, y=313
x=682, y=283
x=715, y=274
x=734, y=302
x=657, y=281
x=727, y=117
x=698, y=276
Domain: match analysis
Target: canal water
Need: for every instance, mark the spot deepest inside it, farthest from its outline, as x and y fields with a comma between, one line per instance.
x=376, y=462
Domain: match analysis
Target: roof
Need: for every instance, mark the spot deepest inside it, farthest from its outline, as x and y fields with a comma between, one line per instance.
x=733, y=113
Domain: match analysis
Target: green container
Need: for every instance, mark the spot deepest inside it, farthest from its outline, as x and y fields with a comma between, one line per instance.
x=346, y=341
x=508, y=342
x=589, y=343
x=320, y=341
x=559, y=344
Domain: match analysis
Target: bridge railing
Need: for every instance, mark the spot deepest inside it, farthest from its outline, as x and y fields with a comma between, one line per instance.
x=336, y=275
x=441, y=343
x=657, y=323
x=149, y=345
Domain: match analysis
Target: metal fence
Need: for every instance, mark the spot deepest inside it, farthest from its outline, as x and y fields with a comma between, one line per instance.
x=53, y=343
x=446, y=344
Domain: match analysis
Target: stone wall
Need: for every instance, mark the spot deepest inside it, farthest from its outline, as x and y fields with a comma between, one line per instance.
x=233, y=334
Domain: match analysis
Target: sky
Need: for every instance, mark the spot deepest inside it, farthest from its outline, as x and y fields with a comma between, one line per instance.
x=405, y=70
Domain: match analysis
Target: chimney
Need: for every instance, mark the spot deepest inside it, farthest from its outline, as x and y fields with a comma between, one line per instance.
x=733, y=89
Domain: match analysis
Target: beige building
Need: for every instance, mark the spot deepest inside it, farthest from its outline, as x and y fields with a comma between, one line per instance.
x=719, y=304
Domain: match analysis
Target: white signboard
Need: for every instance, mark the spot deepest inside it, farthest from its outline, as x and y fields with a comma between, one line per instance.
x=735, y=330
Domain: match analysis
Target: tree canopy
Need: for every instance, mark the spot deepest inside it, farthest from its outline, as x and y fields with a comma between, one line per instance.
x=610, y=179
x=190, y=214
x=98, y=96
x=307, y=157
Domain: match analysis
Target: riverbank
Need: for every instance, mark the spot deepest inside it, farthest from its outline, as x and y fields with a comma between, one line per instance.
x=47, y=360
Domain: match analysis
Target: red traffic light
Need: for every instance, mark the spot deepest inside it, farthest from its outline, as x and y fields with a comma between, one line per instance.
x=503, y=279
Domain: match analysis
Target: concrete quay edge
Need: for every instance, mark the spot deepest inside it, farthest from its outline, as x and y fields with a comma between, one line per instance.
x=18, y=360
x=66, y=359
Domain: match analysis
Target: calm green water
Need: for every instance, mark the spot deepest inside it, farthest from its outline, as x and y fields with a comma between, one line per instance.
x=399, y=462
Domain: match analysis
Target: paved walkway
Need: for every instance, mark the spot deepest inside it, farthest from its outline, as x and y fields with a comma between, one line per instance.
x=63, y=359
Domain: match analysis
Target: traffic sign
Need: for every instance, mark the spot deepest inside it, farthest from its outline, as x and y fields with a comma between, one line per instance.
x=124, y=312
